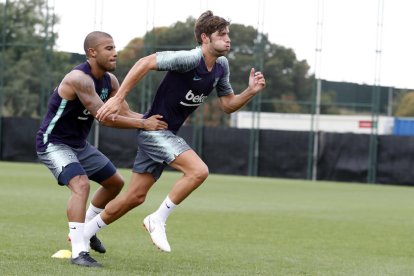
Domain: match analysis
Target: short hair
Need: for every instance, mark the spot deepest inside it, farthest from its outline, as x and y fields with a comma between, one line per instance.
x=209, y=23
x=92, y=39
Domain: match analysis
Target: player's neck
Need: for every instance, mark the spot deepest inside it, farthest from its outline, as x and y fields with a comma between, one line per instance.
x=97, y=72
x=209, y=60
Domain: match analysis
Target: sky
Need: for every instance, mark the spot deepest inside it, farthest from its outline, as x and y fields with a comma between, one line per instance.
x=361, y=41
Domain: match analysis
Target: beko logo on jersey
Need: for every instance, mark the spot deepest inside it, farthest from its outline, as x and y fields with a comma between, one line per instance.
x=195, y=100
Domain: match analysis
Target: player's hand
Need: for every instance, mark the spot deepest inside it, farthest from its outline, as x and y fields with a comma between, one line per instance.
x=256, y=81
x=155, y=123
x=112, y=106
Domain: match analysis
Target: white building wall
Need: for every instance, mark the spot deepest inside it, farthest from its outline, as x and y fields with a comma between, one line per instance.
x=303, y=122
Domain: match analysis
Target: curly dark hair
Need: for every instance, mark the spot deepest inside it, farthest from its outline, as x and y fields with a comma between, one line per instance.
x=209, y=23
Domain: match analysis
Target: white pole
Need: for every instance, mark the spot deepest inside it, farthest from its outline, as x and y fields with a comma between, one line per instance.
x=97, y=22
x=318, y=63
x=96, y=136
x=390, y=101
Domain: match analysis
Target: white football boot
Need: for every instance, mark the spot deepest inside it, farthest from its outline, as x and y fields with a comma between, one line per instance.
x=156, y=229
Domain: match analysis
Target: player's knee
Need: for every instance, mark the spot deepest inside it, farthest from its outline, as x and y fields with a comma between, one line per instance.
x=200, y=174
x=80, y=186
x=115, y=183
x=135, y=200
x=119, y=184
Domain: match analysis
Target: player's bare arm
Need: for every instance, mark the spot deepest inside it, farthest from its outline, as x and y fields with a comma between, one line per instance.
x=124, y=109
x=137, y=72
x=231, y=103
x=78, y=84
x=151, y=123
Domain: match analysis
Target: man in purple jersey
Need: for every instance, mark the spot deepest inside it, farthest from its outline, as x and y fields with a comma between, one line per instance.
x=191, y=76
x=62, y=146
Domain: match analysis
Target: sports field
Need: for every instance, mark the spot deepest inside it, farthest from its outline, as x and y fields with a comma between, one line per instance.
x=230, y=226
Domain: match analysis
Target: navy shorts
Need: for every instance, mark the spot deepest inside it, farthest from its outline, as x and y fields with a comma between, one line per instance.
x=157, y=149
x=66, y=162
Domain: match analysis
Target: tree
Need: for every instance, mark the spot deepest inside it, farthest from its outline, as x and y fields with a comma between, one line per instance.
x=405, y=105
x=30, y=68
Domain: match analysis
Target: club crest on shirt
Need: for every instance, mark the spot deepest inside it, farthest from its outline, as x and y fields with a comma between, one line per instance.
x=104, y=94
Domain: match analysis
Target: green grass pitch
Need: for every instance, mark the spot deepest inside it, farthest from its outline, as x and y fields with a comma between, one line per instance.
x=230, y=226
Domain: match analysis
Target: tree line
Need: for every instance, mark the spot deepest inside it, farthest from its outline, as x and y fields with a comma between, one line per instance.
x=30, y=67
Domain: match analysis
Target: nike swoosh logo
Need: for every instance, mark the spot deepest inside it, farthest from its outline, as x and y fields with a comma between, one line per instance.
x=72, y=227
x=98, y=225
x=197, y=78
x=167, y=206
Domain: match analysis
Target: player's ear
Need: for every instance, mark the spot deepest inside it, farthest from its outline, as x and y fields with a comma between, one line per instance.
x=205, y=38
x=91, y=52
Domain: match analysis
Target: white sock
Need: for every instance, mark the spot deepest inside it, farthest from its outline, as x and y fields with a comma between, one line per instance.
x=165, y=209
x=93, y=227
x=92, y=212
x=76, y=238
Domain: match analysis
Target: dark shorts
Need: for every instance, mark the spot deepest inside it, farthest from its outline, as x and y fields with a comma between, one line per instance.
x=66, y=162
x=157, y=149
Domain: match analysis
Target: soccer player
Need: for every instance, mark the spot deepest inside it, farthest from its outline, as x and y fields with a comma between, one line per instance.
x=62, y=146
x=191, y=76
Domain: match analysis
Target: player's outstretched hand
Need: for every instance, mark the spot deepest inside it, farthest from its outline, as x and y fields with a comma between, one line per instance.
x=256, y=81
x=112, y=106
x=155, y=123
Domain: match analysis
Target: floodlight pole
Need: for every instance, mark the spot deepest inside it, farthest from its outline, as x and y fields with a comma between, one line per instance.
x=97, y=23
x=373, y=141
x=254, y=150
x=316, y=130
x=317, y=108
x=2, y=66
x=98, y=19
x=390, y=100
